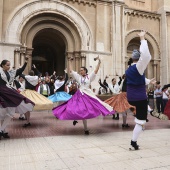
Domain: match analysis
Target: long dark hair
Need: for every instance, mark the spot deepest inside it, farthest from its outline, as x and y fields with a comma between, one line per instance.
x=85, y=69
x=4, y=62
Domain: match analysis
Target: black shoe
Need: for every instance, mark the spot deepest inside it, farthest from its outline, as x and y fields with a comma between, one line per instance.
x=75, y=122
x=134, y=144
x=21, y=118
x=147, y=120
x=27, y=124
x=117, y=118
x=1, y=135
x=86, y=132
x=125, y=126
x=5, y=135
x=113, y=117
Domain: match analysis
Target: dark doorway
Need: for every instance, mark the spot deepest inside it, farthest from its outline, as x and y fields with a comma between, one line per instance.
x=49, y=51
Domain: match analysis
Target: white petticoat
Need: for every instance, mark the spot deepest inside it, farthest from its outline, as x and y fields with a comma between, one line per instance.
x=10, y=111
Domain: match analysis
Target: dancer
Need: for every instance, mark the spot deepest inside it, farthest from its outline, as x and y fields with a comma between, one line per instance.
x=41, y=102
x=120, y=104
x=20, y=85
x=60, y=94
x=83, y=104
x=136, y=89
x=10, y=100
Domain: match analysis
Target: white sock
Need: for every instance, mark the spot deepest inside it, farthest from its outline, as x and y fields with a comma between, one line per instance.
x=136, y=132
x=124, y=115
x=5, y=123
x=85, y=124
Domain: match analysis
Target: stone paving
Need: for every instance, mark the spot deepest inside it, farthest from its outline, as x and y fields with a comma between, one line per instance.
x=53, y=144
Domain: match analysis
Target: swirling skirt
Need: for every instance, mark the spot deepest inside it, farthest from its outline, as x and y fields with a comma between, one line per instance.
x=41, y=102
x=81, y=106
x=59, y=97
x=119, y=103
x=12, y=102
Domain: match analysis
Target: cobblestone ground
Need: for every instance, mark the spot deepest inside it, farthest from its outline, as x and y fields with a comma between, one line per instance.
x=54, y=144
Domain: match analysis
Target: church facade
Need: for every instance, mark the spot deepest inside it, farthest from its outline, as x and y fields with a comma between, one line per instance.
x=51, y=31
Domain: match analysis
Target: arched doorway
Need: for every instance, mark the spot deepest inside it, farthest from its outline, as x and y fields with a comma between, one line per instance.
x=49, y=51
x=31, y=18
x=133, y=42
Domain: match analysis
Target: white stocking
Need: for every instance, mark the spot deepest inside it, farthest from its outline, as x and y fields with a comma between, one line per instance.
x=5, y=123
x=124, y=115
x=136, y=132
x=85, y=124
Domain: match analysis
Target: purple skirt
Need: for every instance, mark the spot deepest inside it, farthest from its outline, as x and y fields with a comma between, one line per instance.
x=11, y=98
x=79, y=107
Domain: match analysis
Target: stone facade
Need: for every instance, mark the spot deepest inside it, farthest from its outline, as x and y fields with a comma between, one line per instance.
x=50, y=31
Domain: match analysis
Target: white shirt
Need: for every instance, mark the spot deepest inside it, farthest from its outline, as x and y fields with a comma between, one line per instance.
x=165, y=96
x=45, y=86
x=115, y=89
x=145, y=57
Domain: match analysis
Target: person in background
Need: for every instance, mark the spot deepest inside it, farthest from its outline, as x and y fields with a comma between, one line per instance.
x=150, y=95
x=115, y=89
x=44, y=89
x=158, y=95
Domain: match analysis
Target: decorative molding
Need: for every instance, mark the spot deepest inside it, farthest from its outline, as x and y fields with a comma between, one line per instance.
x=153, y=38
x=84, y=2
x=10, y=44
x=139, y=13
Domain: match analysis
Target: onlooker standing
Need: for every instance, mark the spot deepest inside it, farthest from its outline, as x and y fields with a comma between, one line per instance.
x=44, y=89
x=158, y=95
x=151, y=98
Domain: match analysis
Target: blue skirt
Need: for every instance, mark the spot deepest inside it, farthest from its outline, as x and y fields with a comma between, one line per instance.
x=59, y=97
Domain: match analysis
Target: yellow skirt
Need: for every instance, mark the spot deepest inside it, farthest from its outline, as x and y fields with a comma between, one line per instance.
x=41, y=102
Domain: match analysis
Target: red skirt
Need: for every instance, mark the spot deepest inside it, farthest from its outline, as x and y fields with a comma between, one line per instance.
x=167, y=109
x=120, y=104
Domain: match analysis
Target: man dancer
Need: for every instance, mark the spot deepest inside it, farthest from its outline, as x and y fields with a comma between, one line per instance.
x=136, y=90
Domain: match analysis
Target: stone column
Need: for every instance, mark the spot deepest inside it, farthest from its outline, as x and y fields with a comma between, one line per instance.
x=83, y=60
x=1, y=17
x=117, y=41
x=155, y=71
x=29, y=53
x=164, y=49
x=77, y=61
x=22, y=55
x=68, y=56
x=17, y=58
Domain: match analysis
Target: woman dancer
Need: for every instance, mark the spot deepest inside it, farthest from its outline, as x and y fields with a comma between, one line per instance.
x=120, y=104
x=60, y=94
x=41, y=102
x=10, y=100
x=83, y=104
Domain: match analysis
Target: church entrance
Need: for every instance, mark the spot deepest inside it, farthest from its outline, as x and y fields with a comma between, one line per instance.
x=49, y=51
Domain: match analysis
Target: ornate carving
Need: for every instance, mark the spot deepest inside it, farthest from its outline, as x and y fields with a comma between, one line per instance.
x=153, y=38
x=84, y=2
x=144, y=14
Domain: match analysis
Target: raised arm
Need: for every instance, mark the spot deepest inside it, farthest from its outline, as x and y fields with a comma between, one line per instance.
x=145, y=56
x=98, y=66
x=20, y=70
x=36, y=71
x=66, y=76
